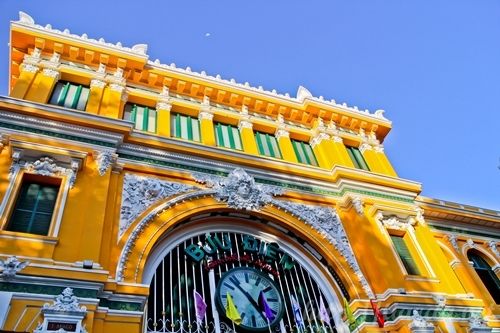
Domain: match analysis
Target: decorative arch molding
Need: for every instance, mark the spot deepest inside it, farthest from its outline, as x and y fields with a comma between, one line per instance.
x=446, y=249
x=470, y=245
x=240, y=192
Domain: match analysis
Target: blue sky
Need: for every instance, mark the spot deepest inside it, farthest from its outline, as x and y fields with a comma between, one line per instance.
x=434, y=66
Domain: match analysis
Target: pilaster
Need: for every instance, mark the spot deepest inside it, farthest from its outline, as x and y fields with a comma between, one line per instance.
x=114, y=96
x=96, y=93
x=44, y=81
x=373, y=153
x=28, y=70
x=284, y=142
x=245, y=127
x=371, y=158
x=206, y=118
x=336, y=148
x=163, y=107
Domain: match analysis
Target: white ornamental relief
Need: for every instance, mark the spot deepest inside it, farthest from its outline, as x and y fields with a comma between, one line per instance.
x=493, y=247
x=139, y=193
x=11, y=266
x=65, y=302
x=239, y=190
x=419, y=324
x=395, y=223
x=326, y=221
x=104, y=160
x=45, y=166
x=476, y=320
x=452, y=239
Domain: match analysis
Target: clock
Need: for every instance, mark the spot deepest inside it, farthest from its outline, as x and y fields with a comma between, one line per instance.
x=245, y=284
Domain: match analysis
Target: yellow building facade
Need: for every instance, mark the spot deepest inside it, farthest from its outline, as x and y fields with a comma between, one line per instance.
x=141, y=197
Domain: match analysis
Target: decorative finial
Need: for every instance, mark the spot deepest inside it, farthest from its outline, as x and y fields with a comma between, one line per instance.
x=25, y=18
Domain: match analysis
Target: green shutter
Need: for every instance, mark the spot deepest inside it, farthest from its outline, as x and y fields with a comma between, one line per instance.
x=258, y=139
x=133, y=114
x=63, y=94
x=304, y=153
x=218, y=135
x=353, y=158
x=270, y=146
x=178, y=132
x=76, y=97
x=82, y=101
x=360, y=159
x=145, y=118
x=405, y=255
x=33, y=209
x=195, y=126
x=70, y=95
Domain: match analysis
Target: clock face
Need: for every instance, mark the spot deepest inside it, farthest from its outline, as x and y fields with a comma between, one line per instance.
x=244, y=284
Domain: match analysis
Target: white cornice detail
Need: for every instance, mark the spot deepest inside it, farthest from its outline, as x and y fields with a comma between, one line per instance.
x=27, y=21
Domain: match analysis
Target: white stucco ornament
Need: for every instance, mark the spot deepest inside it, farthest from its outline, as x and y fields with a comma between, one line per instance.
x=477, y=324
x=303, y=93
x=11, y=266
x=140, y=192
x=65, y=302
x=239, y=190
x=419, y=324
x=45, y=166
x=104, y=160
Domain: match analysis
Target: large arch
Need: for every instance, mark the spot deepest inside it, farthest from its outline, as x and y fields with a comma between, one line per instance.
x=148, y=237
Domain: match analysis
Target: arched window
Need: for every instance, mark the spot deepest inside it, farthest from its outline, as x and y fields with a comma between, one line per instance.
x=489, y=278
x=203, y=267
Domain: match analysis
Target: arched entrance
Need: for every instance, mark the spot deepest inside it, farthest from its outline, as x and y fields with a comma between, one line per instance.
x=250, y=259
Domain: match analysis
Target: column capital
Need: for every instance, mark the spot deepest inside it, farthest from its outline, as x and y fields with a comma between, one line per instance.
x=318, y=138
x=206, y=115
x=281, y=132
x=27, y=67
x=364, y=147
x=163, y=105
x=244, y=123
x=50, y=72
x=97, y=83
x=205, y=105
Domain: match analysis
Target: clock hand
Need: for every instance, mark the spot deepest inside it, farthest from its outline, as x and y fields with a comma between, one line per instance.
x=251, y=300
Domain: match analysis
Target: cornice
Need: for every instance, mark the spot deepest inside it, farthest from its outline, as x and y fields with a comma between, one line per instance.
x=27, y=22
x=460, y=214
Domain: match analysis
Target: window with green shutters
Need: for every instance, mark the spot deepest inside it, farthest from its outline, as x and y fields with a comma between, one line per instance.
x=184, y=127
x=304, y=153
x=267, y=145
x=357, y=158
x=486, y=274
x=405, y=255
x=227, y=136
x=143, y=117
x=70, y=95
x=33, y=208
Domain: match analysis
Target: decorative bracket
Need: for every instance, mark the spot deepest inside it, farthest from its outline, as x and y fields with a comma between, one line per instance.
x=11, y=266
x=104, y=160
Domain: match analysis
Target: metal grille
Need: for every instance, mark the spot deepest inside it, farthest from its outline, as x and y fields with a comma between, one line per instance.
x=171, y=306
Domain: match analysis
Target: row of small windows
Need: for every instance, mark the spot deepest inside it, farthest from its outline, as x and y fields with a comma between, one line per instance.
x=185, y=127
